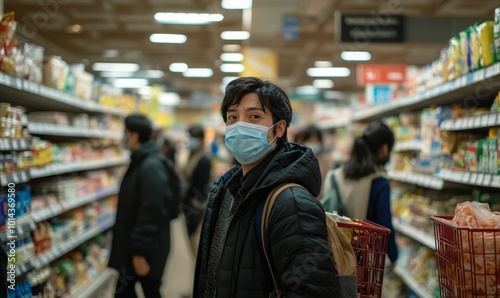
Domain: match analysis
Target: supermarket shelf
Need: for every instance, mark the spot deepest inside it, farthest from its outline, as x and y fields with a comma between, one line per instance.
x=407, y=146
x=42, y=98
x=335, y=123
x=473, y=122
x=61, y=249
x=414, y=233
x=68, y=167
x=444, y=94
x=89, y=290
x=23, y=224
x=71, y=131
x=14, y=145
x=22, y=176
x=417, y=179
x=412, y=283
x=55, y=210
x=470, y=178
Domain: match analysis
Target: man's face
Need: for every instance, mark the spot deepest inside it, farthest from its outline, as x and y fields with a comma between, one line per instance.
x=129, y=139
x=250, y=110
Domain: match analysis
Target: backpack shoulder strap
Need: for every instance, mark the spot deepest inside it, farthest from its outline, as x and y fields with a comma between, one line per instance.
x=266, y=212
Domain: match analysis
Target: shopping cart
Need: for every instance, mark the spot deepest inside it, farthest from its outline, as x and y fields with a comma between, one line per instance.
x=369, y=241
x=468, y=259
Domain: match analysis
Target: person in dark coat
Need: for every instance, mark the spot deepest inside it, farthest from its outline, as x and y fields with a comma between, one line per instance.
x=141, y=234
x=230, y=260
x=196, y=178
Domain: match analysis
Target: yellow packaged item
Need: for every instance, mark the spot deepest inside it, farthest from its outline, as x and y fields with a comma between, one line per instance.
x=455, y=64
x=486, y=44
x=474, y=48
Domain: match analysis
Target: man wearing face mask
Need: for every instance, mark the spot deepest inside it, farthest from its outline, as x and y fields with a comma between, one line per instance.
x=196, y=179
x=146, y=204
x=312, y=137
x=230, y=261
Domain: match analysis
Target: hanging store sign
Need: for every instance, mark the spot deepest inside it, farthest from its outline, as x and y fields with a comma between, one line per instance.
x=378, y=28
x=381, y=74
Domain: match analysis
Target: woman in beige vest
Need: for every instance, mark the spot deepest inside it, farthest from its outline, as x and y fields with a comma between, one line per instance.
x=362, y=187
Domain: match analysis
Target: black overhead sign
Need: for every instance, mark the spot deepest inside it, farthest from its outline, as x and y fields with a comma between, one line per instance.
x=372, y=28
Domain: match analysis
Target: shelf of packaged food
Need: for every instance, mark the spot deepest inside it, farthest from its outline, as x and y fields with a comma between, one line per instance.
x=410, y=281
x=417, y=179
x=71, y=131
x=17, y=177
x=56, y=209
x=470, y=178
x=21, y=225
x=35, y=96
x=62, y=248
x=449, y=92
x=91, y=288
x=413, y=145
x=14, y=144
x=414, y=233
x=473, y=122
x=69, y=167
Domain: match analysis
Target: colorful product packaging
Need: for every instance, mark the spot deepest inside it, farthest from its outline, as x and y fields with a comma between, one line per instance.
x=496, y=33
x=471, y=156
x=486, y=45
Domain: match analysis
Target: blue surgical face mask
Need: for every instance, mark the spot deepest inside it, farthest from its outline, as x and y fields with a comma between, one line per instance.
x=248, y=142
x=193, y=144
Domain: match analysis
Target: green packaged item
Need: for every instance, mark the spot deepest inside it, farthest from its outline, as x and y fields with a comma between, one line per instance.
x=493, y=156
x=483, y=156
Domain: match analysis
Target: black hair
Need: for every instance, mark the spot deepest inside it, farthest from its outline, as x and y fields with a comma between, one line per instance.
x=196, y=131
x=270, y=96
x=309, y=132
x=364, y=159
x=141, y=125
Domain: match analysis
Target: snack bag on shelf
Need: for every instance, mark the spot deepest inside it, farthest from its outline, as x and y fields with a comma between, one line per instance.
x=454, y=65
x=474, y=45
x=464, y=50
x=486, y=44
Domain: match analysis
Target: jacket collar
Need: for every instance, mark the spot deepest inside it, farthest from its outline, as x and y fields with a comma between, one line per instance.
x=143, y=151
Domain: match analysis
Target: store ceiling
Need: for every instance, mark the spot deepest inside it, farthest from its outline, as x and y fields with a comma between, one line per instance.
x=125, y=26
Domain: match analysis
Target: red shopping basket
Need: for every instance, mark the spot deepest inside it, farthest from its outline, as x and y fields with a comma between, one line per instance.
x=369, y=241
x=468, y=259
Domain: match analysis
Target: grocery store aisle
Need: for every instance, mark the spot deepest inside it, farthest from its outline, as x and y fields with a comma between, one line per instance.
x=178, y=276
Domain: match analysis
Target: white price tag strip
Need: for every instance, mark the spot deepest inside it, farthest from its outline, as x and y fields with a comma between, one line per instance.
x=477, y=121
x=492, y=119
x=473, y=178
x=480, y=178
x=484, y=120
x=487, y=180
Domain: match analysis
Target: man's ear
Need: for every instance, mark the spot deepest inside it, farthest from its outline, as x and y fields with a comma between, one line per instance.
x=280, y=128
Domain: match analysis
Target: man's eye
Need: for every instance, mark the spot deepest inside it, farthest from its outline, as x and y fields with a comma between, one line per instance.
x=254, y=117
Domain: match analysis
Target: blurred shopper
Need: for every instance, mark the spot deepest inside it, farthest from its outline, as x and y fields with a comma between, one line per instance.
x=361, y=185
x=197, y=173
x=230, y=260
x=168, y=148
x=146, y=204
x=312, y=137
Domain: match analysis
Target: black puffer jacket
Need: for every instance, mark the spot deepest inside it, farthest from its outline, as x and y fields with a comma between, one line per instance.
x=296, y=237
x=142, y=224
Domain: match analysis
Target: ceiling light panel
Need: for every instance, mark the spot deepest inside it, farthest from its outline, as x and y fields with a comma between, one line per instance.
x=231, y=57
x=322, y=83
x=198, y=73
x=187, y=18
x=115, y=67
x=178, y=67
x=333, y=72
x=232, y=67
x=236, y=4
x=355, y=56
x=167, y=38
x=235, y=35
x=323, y=64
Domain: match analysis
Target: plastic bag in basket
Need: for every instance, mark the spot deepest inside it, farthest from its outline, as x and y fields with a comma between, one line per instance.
x=476, y=215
